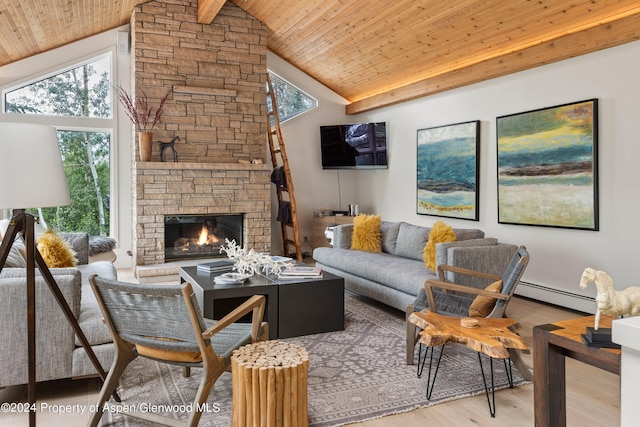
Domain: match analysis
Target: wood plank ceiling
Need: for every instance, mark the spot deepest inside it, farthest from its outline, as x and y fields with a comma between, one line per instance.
x=372, y=52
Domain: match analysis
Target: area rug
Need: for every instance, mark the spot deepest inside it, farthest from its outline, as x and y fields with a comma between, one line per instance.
x=354, y=375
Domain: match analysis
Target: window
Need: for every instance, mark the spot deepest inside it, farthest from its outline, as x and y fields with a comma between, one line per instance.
x=75, y=98
x=292, y=101
x=83, y=91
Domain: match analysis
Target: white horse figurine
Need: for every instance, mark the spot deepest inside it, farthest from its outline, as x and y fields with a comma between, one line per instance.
x=610, y=301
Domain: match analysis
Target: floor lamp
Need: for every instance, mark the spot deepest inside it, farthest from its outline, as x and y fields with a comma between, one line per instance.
x=32, y=176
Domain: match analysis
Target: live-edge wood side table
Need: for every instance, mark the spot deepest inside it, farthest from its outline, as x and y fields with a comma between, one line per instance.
x=551, y=344
x=495, y=337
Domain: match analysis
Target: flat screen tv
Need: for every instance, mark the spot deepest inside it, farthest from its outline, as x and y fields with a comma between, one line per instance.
x=354, y=146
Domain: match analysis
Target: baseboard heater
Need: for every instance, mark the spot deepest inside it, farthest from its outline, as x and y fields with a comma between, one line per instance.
x=557, y=297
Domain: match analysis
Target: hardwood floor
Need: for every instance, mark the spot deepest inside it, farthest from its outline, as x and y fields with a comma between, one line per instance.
x=593, y=395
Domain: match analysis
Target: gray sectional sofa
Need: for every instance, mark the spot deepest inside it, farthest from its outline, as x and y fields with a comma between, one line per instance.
x=59, y=353
x=395, y=275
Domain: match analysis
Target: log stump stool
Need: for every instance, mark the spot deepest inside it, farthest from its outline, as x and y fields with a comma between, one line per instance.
x=269, y=381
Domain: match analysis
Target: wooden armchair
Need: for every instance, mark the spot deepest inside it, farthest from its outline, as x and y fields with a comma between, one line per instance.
x=164, y=323
x=444, y=297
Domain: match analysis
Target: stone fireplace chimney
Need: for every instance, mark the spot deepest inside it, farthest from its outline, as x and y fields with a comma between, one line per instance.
x=216, y=76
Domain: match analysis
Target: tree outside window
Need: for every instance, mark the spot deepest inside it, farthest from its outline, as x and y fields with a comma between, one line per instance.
x=83, y=92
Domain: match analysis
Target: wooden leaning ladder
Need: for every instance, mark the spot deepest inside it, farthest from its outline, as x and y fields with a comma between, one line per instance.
x=290, y=231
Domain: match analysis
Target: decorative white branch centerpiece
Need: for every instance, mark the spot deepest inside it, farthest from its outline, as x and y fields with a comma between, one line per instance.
x=252, y=262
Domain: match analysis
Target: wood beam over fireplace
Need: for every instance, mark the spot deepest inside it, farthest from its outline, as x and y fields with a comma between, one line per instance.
x=208, y=9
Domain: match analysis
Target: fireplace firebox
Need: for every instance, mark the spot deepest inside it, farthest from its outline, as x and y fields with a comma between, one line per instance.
x=199, y=236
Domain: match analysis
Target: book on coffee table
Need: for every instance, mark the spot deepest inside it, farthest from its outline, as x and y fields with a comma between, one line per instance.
x=318, y=277
x=300, y=272
x=216, y=266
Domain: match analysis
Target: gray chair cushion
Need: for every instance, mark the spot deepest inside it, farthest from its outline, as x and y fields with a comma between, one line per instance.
x=468, y=233
x=442, y=249
x=446, y=303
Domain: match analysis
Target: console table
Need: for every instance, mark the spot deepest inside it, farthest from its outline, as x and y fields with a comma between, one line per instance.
x=551, y=344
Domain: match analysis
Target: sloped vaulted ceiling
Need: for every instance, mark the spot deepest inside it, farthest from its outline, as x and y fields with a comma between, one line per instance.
x=372, y=52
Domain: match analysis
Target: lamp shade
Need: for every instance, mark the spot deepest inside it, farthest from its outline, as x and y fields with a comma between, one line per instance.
x=31, y=170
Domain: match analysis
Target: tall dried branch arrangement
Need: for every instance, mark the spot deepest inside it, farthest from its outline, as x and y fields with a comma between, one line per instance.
x=140, y=112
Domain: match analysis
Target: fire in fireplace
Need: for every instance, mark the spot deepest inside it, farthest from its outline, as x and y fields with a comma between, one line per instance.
x=199, y=236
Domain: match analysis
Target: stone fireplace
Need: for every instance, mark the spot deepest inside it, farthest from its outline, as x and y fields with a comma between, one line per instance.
x=216, y=77
x=170, y=189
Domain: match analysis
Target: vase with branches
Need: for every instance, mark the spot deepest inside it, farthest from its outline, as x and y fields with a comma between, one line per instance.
x=144, y=117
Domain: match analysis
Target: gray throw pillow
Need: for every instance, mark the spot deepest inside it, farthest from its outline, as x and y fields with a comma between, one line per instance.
x=411, y=241
x=79, y=242
x=389, y=233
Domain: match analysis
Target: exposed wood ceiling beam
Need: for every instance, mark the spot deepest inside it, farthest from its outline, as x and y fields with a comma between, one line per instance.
x=601, y=36
x=208, y=9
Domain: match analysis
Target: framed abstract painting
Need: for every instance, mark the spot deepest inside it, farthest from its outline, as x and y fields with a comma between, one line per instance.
x=548, y=166
x=448, y=170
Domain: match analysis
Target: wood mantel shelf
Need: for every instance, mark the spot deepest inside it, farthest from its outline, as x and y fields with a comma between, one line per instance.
x=200, y=166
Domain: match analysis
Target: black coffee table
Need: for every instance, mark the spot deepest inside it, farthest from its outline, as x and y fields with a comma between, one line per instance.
x=294, y=307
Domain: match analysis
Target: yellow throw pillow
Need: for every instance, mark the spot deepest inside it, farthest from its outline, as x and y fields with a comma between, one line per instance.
x=55, y=251
x=366, y=233
x=440, y=233
x=482, y=306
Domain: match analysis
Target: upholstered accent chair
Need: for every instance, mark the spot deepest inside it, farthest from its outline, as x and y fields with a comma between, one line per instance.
x=444, y=297
x=164, y=323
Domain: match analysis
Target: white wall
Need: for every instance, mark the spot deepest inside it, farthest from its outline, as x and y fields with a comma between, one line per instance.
x=313, y=187
x=558, y=256
x=30, y=68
